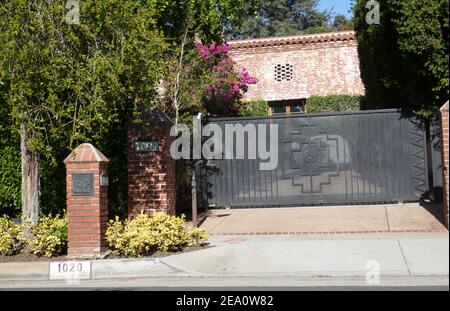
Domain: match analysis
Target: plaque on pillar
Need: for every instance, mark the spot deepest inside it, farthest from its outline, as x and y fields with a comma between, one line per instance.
x=82, y=184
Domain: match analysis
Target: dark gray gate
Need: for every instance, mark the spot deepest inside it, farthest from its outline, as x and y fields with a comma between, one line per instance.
x=340, y=158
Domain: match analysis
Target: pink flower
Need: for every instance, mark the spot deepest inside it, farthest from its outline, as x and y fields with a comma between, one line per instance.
x=203, y=50
x=227, y=85
x=236, y=88
x=246, y=78
x=209, y=90
x=220, y=68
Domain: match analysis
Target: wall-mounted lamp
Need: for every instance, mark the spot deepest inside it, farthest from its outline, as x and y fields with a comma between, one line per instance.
x=104, y=180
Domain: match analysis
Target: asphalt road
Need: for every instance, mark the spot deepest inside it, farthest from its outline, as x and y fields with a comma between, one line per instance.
x=239, y=284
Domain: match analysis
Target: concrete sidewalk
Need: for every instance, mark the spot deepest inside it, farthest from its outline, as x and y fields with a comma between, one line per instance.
x=399, y=255
x=395, y=255
x=325, y=220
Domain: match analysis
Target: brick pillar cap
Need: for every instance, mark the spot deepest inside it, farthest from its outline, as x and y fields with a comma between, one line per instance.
x=86, y=153
x=445, y=107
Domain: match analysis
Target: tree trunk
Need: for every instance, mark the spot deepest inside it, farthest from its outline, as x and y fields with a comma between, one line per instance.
x=30, y=179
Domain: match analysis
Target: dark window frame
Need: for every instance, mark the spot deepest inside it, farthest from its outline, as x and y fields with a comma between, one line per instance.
x=288, y=106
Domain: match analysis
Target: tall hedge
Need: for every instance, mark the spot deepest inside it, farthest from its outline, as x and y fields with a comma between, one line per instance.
x=10, y=169
x=334, y=103
x=10, y=195
x=404, y=59
x=254, y=108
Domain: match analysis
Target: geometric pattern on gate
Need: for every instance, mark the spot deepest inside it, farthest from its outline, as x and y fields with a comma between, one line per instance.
x=314, y=160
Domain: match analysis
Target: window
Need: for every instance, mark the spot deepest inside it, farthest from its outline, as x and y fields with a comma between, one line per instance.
x=299, y=106
x=287, y=106
x=278, y=109
x=283, y=72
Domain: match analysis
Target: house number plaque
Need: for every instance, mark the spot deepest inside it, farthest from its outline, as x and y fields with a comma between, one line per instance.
x=82, y=184
x=146, y=146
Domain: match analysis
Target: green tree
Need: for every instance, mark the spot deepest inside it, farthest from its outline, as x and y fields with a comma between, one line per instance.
x=341, y=22
x=268, y=18
x=206, y=19
x=69, y=83
x=404, y=59
x=192, y=21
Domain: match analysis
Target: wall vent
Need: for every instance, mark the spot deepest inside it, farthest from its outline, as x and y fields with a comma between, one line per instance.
x=283, y=72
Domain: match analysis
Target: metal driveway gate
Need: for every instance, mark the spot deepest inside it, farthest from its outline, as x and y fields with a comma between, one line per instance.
x=341, y=158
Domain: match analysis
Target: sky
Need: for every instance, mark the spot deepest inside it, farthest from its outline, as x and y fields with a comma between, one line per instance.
x=340, y=6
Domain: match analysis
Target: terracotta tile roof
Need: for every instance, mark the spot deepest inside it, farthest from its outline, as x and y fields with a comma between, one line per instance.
x=86, y=153
x=291, y=40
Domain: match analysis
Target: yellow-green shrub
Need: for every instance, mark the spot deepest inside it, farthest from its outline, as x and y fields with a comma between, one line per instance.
x=144, y=235
x=197, y=236
x=11, y=236
x=49, y=236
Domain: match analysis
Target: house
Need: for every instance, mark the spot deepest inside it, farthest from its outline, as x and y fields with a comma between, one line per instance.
x=292, y=69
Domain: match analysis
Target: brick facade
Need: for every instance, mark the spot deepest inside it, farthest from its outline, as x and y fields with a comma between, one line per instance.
x=151, y=175
x=87, y=213
x=445, y=158
x=322, y=64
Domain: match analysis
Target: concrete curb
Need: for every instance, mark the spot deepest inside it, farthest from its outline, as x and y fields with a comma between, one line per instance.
x=117, y=268
x=100, y=269
x=146, y=268
x=24, y=271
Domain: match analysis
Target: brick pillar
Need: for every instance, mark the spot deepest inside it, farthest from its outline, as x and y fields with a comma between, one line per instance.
x=87, y=201
x=151, y=169
x=445, y=159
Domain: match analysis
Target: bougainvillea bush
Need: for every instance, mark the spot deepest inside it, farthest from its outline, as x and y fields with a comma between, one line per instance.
x=225, y=85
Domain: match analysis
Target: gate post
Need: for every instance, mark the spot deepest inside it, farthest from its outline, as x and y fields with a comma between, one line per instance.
x=151, y=169
x=87, y=201
x=445, y=159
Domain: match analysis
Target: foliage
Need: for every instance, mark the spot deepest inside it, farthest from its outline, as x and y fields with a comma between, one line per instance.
x=10, y=168
x=333, y=103
x=11, y=236
x=144, y=235
x=77, y=83
x=207, y=19
x=254, y=108
x=10, y=179
x=209, y=82
x=184, y=170
x=268, y=18
x=196, y=236
x=341, y=23
x=404, y=60
x=206, y=81
x=82, y=83
x=112, y=59
x=49, y=236
x=225, y=85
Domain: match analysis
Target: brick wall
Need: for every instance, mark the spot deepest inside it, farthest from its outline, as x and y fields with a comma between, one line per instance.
x=151, y=175
x=324, y=64
x=445, y=158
